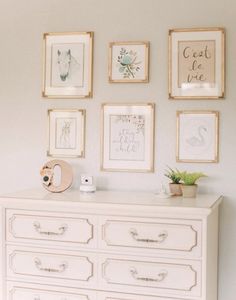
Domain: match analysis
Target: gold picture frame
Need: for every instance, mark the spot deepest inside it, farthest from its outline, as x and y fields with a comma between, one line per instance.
x=197, y=136
x=197, y=63
x=128, y=62
x=127, y=139
x=68, y=64
x=66, y=132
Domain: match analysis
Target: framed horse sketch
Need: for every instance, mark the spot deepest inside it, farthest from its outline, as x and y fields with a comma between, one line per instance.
x=66, y=133
x=197, y=136
x=128, y=61
x=127, y=140
x=196, y=63
x=68, y=60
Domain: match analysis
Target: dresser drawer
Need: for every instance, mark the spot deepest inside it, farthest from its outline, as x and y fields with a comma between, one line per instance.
x=152, y=277
x=19, y=291
x=168, y=236
x=119, y=296
x=53, y=265
x=34, y=226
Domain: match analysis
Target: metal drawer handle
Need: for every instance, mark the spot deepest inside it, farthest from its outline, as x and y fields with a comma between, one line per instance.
x=61, y=230
x=161, y=237
x=160, y=277
x=61, y=268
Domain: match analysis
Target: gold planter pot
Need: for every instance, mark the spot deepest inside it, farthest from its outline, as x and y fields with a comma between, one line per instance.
x=189, y=191
x=175, y=189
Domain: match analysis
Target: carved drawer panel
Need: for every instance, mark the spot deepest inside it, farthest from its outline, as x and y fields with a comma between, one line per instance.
x=50, y=265
x=119, y=296
x=23, y=291
x=166, y=235
x=159, y=277
x=18, y=293
x=32, y=226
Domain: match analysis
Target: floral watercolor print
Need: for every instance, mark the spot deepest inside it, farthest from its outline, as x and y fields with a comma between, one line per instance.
x=65, y=133
x=67, y=69
x=129, y=63
x=127, y=137
x=197, y=137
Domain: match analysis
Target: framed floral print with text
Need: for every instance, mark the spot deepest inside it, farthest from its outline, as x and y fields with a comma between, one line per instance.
x=196, y=63
x=128, y=61
x=68, y=59
x=66, y=133
x=127, y=140
x=197, y=136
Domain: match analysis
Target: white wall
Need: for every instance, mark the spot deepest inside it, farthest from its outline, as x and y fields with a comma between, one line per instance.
x=23, y=112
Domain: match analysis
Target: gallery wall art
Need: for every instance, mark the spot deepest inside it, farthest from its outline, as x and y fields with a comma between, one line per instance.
x=196, y=63
x=128, y=62
x=68, y=60
x=66, y=137
x=197, y=136
x=128, y=137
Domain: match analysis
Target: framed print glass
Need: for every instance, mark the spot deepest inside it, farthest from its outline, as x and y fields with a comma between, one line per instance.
x=197, y=136
x=128, y=61
x=66, y=133
x=196, y=63
x=127, y=140
x=68, y=65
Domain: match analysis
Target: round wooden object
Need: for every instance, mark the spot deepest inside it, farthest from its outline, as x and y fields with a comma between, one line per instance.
x=66, y=176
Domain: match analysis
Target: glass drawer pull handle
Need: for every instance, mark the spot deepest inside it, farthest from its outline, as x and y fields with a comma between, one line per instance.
x=160, y=276
x=161, y=237
x=61, y=230
x=61, y=268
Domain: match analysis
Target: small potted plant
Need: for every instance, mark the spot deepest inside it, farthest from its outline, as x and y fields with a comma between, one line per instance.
x=175, y=185
x=189, y=186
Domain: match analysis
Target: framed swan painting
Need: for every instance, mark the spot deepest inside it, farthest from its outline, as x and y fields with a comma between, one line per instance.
x=197, y=136
x=68, y=65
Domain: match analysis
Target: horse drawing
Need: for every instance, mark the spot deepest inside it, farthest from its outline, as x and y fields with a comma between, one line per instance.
x=67, y=64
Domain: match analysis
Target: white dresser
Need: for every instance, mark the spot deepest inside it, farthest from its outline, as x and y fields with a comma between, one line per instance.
x=108, y=246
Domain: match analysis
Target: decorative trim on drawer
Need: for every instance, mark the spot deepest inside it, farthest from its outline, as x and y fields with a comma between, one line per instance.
x=44, y=291
x=44, y=234
x=159, y=278
x=39, y=266
x=142, y=241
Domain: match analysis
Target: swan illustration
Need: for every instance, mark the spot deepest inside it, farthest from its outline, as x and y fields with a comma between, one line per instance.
x=198, y=140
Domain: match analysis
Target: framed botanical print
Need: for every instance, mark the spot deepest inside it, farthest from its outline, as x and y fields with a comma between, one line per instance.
x=66, y=133
x=68, y=59
x=197, y=136
x=128, y=61
x=196, y=63
x=127, y=140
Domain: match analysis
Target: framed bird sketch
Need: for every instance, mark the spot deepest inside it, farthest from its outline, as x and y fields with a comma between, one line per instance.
x=68, y=59
x=66, y=133
x=197, y=136
x=128, y=137
x=196, y=63
x=128, y=62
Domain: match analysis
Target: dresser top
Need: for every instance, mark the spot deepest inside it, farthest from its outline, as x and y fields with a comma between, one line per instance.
x=123, y=198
